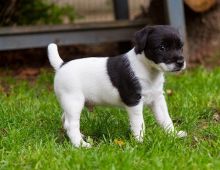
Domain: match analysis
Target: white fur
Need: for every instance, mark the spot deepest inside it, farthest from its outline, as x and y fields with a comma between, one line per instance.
x=87, y=80
x=54, y=56
x=167, y=67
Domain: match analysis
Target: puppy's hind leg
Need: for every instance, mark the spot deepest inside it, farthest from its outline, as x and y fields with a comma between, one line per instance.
x=73, y=105
x=63, y=121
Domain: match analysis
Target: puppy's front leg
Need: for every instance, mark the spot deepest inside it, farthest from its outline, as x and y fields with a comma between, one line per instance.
x=159, y=107
x=137, y=121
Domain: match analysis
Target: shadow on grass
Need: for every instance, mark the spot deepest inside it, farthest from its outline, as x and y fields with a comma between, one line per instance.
x=104, y=124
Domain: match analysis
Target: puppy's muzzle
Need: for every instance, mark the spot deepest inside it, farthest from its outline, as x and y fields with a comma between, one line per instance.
x=179, y=64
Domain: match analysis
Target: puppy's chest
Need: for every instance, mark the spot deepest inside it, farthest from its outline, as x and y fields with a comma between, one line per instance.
x=151, y=89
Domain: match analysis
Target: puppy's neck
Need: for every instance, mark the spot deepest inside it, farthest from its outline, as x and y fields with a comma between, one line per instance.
x=140, y=63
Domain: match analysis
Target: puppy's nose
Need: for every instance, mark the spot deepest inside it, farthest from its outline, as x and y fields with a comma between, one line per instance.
x=180, y=60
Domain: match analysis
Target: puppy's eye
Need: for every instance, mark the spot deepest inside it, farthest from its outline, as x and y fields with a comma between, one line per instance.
x=180, y=45
x=162, y=48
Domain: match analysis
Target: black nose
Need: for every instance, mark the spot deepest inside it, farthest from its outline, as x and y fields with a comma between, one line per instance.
x=180, y=60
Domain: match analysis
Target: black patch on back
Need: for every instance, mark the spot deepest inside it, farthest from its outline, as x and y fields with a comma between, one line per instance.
x=124, y=79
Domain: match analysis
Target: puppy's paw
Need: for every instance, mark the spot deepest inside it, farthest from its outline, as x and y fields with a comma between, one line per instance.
x=139, y=138
x=82, y=144
x=181, y=134
x=78, y=141
x=85, y=144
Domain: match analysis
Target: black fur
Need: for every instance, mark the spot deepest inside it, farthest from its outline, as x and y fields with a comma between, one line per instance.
x=124, y=79
x=161, y=44
x=140, y=39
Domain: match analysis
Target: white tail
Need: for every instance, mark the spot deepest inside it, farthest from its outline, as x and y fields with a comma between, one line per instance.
x=54, y=56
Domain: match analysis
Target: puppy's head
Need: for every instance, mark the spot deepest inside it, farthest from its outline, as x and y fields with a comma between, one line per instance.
x=161, y=45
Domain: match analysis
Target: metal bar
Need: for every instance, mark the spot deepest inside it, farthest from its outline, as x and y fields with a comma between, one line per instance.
x=73, y=27
x=31, y=37
x=176, y=18
x=121, y=9
x=175, y=15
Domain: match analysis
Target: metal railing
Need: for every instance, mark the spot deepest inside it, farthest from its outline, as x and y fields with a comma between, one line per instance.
x=120, y=30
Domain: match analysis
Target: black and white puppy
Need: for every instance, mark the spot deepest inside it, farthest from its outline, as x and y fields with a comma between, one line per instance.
x=132, y=80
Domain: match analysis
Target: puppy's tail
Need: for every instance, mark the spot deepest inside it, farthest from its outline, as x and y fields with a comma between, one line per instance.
x=54, y=56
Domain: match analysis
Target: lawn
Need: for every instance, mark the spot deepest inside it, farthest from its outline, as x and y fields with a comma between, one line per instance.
x=31, y=134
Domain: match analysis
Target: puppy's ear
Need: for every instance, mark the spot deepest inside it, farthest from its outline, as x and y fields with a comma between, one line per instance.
x=140, y=39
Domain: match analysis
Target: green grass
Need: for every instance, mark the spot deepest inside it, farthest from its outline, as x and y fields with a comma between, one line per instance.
x=31, y=134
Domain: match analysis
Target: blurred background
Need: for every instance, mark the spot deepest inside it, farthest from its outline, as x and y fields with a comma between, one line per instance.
x=31, y=131
x=84, y=28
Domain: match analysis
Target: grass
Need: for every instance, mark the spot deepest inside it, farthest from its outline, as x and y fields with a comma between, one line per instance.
x=31, y=134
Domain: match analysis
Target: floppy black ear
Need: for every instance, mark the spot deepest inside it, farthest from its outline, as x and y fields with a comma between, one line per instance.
x=140, y=39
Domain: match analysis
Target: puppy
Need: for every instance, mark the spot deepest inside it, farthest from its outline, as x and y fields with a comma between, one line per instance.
x=131, y=80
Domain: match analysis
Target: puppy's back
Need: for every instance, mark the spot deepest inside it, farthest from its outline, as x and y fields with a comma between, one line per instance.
x=87, y=76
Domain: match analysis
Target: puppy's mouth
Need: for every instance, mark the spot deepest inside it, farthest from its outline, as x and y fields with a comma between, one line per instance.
x=173, y=67
x=179, y=68
x=176, y=70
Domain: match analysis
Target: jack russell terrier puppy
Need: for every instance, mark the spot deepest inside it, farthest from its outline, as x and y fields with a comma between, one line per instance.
x=132, y=80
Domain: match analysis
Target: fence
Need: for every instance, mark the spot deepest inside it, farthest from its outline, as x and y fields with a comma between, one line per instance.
x=102, y=10
x=98, y=21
